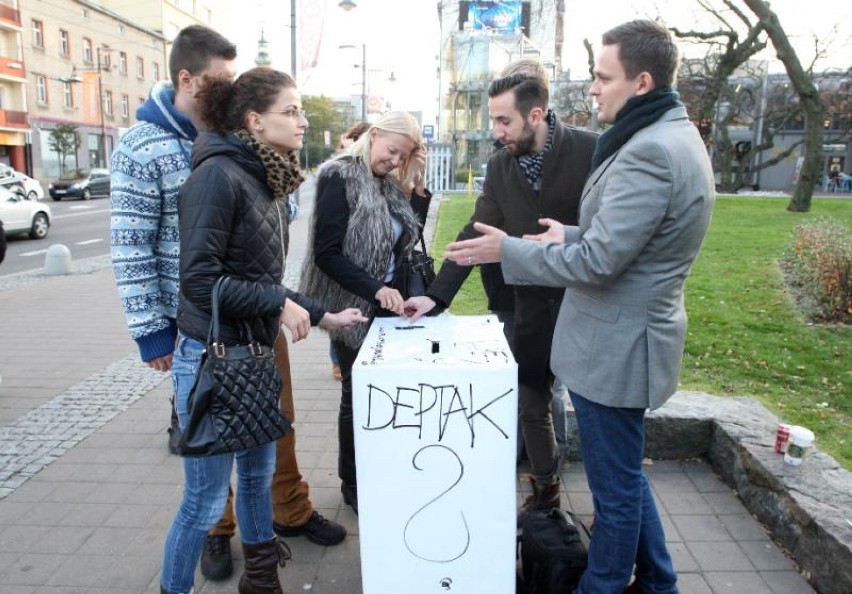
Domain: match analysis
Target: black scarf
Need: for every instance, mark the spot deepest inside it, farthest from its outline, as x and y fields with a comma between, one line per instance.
x=639, y=111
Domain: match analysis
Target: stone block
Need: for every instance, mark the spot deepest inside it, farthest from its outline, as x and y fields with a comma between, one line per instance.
x=804, y=509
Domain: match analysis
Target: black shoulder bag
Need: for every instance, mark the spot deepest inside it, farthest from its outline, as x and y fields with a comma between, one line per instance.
x=234, y=402
x=415, y=273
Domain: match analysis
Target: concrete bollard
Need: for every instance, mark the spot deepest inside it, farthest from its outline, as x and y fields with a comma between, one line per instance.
x=57, y=260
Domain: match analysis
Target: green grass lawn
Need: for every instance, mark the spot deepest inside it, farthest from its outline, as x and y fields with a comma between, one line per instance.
x=745, y=337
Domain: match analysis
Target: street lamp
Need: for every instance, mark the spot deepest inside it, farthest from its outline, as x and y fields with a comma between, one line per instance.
x=347, y=5
x=363, y=75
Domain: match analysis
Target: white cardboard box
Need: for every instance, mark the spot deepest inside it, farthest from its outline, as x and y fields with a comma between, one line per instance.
x=435, y=411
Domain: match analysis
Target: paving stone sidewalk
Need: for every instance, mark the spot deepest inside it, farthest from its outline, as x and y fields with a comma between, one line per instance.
x=88, y=488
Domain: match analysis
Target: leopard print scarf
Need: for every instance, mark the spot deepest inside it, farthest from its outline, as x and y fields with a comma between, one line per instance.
x=283, y=174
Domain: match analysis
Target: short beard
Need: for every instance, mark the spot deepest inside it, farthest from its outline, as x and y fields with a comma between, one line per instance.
x=524, y=144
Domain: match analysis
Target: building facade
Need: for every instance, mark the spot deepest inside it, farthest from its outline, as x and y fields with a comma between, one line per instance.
x=14, y=127
x=88, y=68
x=479, y=39
x=166, y=16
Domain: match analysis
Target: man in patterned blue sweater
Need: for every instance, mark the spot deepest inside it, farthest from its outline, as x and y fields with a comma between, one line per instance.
x=149, y=165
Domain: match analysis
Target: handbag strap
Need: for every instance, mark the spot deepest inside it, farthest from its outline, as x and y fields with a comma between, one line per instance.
x=423, y=241
x=213, y=333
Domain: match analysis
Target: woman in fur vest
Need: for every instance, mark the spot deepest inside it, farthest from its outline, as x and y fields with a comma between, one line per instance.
x=371, y=204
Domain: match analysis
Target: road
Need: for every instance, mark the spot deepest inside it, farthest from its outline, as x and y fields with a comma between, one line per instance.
x=82, y=226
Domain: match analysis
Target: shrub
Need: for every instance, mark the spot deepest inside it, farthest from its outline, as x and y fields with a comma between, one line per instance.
x=818, y=270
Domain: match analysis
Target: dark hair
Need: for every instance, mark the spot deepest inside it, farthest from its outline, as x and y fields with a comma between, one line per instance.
x=354, y=132
x=192, y=49
x=529, y=91
x=223, y=104
x=645, y=46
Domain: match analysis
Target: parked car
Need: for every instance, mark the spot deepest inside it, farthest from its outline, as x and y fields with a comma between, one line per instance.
x=80, y=183
x=20, y=215
x=10, y=178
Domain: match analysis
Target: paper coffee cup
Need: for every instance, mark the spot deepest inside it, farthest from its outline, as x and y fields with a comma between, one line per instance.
x=800, y=440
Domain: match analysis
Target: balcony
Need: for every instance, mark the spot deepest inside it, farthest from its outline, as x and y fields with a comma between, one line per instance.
x=13, y=119
x=10, y=18
x=12, y=70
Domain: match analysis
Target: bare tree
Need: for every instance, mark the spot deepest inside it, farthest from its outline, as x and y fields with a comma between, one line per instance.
x=714, y=103
x=802, y=82
x=571, y=101
x=751, y=108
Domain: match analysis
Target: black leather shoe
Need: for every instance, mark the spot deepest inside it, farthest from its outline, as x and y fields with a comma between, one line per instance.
x=317, y=529
x=216, y=563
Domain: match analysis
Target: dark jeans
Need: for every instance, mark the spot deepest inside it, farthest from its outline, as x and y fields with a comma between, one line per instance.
x=627, y=527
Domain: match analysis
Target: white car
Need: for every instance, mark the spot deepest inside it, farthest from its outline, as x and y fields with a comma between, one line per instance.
x=9, y=178
x=20, y=215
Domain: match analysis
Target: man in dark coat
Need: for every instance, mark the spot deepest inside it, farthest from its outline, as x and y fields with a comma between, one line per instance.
x=539, y=173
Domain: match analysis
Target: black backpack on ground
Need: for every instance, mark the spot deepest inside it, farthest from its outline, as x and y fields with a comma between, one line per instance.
x=554, y=552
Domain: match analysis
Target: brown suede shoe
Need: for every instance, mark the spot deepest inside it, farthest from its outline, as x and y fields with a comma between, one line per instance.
x=541, y=499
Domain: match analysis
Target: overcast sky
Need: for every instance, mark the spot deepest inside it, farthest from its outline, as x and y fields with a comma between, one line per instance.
x=402, y=36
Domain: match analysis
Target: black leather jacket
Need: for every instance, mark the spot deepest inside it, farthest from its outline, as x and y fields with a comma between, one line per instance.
x=231, y=225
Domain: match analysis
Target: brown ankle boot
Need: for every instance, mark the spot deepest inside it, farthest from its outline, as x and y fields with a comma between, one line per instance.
x=261, y=567
x=542, y=499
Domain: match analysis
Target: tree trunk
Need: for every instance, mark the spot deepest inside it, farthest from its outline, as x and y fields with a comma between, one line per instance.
x=809, y=98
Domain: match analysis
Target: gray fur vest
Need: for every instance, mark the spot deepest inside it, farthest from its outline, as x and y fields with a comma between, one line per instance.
x=368, y=242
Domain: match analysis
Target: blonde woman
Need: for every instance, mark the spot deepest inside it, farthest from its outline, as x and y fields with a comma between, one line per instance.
x=371, y=203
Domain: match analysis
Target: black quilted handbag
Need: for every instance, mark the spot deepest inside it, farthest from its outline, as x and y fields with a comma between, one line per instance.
x=234, y=402
x=414, y=273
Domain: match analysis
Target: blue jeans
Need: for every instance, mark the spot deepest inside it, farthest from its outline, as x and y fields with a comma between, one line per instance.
x=206, y=487
x=627, y=528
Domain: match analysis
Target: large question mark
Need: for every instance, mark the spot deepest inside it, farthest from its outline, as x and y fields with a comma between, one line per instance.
x=431, y=501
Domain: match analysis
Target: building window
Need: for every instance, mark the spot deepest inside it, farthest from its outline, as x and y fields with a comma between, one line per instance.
x=41, y=89
x=125, y=106
x=122, y=29
x=122, y=62
x=106, y=61
x=68, y=94
x=108, y=103
x=87, y=50
x=64, y=44
x=155, y=70
x=141, y=100
x=38, y=33
x=140, y=67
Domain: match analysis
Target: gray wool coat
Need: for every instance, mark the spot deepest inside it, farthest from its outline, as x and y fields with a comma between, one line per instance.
x=644, y=212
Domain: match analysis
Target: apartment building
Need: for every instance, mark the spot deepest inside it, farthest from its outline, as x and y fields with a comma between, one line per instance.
x=167, y=16
x=86, y=66
x=14, y=127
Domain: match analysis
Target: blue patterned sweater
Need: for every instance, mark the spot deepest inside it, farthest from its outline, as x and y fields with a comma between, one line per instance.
x=149, y=165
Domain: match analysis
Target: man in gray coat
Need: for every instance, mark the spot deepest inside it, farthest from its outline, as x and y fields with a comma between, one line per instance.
x=621, y=330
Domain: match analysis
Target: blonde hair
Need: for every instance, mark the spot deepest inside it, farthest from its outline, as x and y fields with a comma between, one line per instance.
x=530, y=67
x=395, y=122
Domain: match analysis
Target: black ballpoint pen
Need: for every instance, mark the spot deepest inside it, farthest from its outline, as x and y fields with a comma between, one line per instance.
x=408, y=327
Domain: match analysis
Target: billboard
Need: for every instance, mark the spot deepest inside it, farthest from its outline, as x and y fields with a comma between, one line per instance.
x=501, y=16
